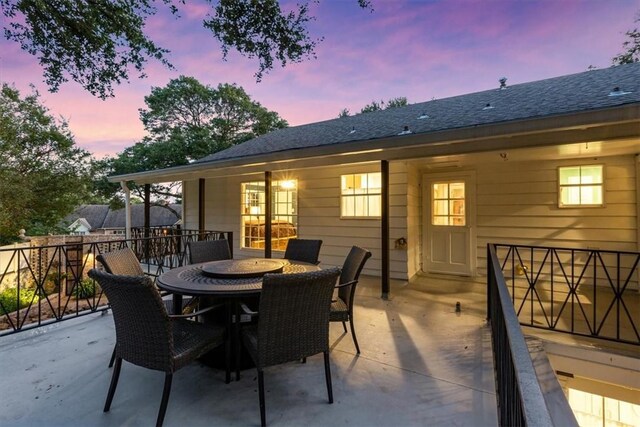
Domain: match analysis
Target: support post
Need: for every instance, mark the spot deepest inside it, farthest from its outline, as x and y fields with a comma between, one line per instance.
x=127, y=211
x=384, y=246
x=201, y=213
x=267, y=214
x=147, y=219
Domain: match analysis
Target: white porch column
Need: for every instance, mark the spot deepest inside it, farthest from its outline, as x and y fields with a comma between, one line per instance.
x=127, y=210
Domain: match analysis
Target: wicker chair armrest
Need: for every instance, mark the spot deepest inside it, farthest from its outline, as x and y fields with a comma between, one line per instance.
x=247, y=310
x=196, y=313
x=342, y=285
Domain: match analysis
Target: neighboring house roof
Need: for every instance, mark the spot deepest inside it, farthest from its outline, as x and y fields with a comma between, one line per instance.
x=102, y=217
x=79, y=224
x=94, y=215
x=585, y=91
x=605, y=97
x=158, y=216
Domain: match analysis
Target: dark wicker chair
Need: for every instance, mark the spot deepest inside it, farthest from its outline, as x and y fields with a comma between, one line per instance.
x=342, y=307
x=148, y=336
x=208, y=250
x=293, y=323
x=305, y=250
x=123, y=262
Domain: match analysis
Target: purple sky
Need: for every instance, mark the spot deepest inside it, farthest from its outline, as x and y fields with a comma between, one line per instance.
x=418, y=49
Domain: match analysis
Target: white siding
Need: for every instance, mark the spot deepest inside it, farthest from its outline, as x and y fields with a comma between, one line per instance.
x=318, y=213
x=517, y=203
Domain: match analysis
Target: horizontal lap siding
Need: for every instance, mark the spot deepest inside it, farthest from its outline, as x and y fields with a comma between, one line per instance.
x=319, y=217
x=318, y=214
x=517, y=203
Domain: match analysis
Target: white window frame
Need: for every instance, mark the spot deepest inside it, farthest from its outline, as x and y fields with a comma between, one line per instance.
x=579, y=186
x=367, y=195
x=250, y=201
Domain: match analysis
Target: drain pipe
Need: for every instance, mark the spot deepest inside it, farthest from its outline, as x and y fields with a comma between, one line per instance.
x=127, y=211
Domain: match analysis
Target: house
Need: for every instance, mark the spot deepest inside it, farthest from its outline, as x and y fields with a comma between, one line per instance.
x=101, y=219
x=425, y=187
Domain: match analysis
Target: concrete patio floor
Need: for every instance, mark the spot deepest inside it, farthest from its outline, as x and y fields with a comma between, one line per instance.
x=422, y=364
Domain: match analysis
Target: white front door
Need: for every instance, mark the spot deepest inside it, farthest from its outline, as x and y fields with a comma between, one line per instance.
x=448, y=241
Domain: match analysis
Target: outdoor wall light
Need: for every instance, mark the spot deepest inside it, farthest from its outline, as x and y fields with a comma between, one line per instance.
x=288, y=185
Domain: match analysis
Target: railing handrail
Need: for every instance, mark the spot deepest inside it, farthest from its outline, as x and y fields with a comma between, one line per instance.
x=560, y=248
x=532, y=402
x=117, y=238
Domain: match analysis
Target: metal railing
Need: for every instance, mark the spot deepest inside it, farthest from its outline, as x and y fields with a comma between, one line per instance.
x=48, y=283
x=585, y=292
x=519, y=396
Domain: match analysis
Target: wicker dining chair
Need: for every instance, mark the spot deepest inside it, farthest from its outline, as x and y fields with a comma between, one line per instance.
x=208, y=250
x=305, y=250
x=293, y=323
x=147, y=336
x=342, y=306
x=123, y=262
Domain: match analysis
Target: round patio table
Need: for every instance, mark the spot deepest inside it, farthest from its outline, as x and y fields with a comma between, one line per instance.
x=229, y=279
x=226, y=278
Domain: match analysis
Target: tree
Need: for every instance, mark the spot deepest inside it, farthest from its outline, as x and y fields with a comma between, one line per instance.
x=44, y=176
x=400, y=101
x=97, y=42
x=185, y=121
x=632, y=46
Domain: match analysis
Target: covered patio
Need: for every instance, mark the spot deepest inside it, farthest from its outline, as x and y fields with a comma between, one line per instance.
x=422, y=363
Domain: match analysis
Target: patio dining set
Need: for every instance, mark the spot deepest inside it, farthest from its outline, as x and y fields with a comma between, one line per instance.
x=275, y=310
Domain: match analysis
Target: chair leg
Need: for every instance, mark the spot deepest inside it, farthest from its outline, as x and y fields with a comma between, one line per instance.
x=263, y=416
x=227, y=360
x=344, y=326
x=353, y=334
x=165, y=398
x=114, y=384
x=113, y=357
x=327, y=374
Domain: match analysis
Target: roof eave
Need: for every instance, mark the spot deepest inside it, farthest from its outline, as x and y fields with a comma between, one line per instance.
x=502, y=132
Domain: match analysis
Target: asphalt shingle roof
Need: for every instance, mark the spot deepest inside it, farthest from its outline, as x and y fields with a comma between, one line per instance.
x=102, y=217
x=573, y=93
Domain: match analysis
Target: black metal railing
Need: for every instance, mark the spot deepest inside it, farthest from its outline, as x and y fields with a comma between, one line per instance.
x=519, y=395
x=48, y=283
x=583, y=292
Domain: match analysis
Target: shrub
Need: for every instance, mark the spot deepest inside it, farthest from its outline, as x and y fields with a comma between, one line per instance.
x=10, y=302
x=86, y=288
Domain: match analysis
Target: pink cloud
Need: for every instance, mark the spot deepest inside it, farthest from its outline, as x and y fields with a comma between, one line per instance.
x=405, y=48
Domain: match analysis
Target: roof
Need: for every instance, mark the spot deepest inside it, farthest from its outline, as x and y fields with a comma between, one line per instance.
x=115, y=219
x=597, y=98
x=93, y=214
x=580, y=92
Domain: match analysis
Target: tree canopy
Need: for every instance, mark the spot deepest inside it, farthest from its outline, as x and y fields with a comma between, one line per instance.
x=98, y=43
x=44, y=176
x=186, y=120
x=399, y=101
x=631, y=47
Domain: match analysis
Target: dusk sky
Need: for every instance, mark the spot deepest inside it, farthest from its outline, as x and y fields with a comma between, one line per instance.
x=418, y=49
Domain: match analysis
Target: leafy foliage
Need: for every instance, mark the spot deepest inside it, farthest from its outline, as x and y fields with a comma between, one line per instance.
x=9, y=301
x=97, y=42
x=400, y=101
x=43, y=174
x=631, y=46
x=186, y=120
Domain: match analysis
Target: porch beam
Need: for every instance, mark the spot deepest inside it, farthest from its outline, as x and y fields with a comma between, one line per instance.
x=127, y=211
x=201, y=213
x=384, y=246
x=267, y=214
x=147, y=218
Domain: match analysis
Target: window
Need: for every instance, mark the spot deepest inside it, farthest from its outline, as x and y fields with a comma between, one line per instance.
x=284, y=218
x=448, y=204
x=580, y=186
x=361, y=195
